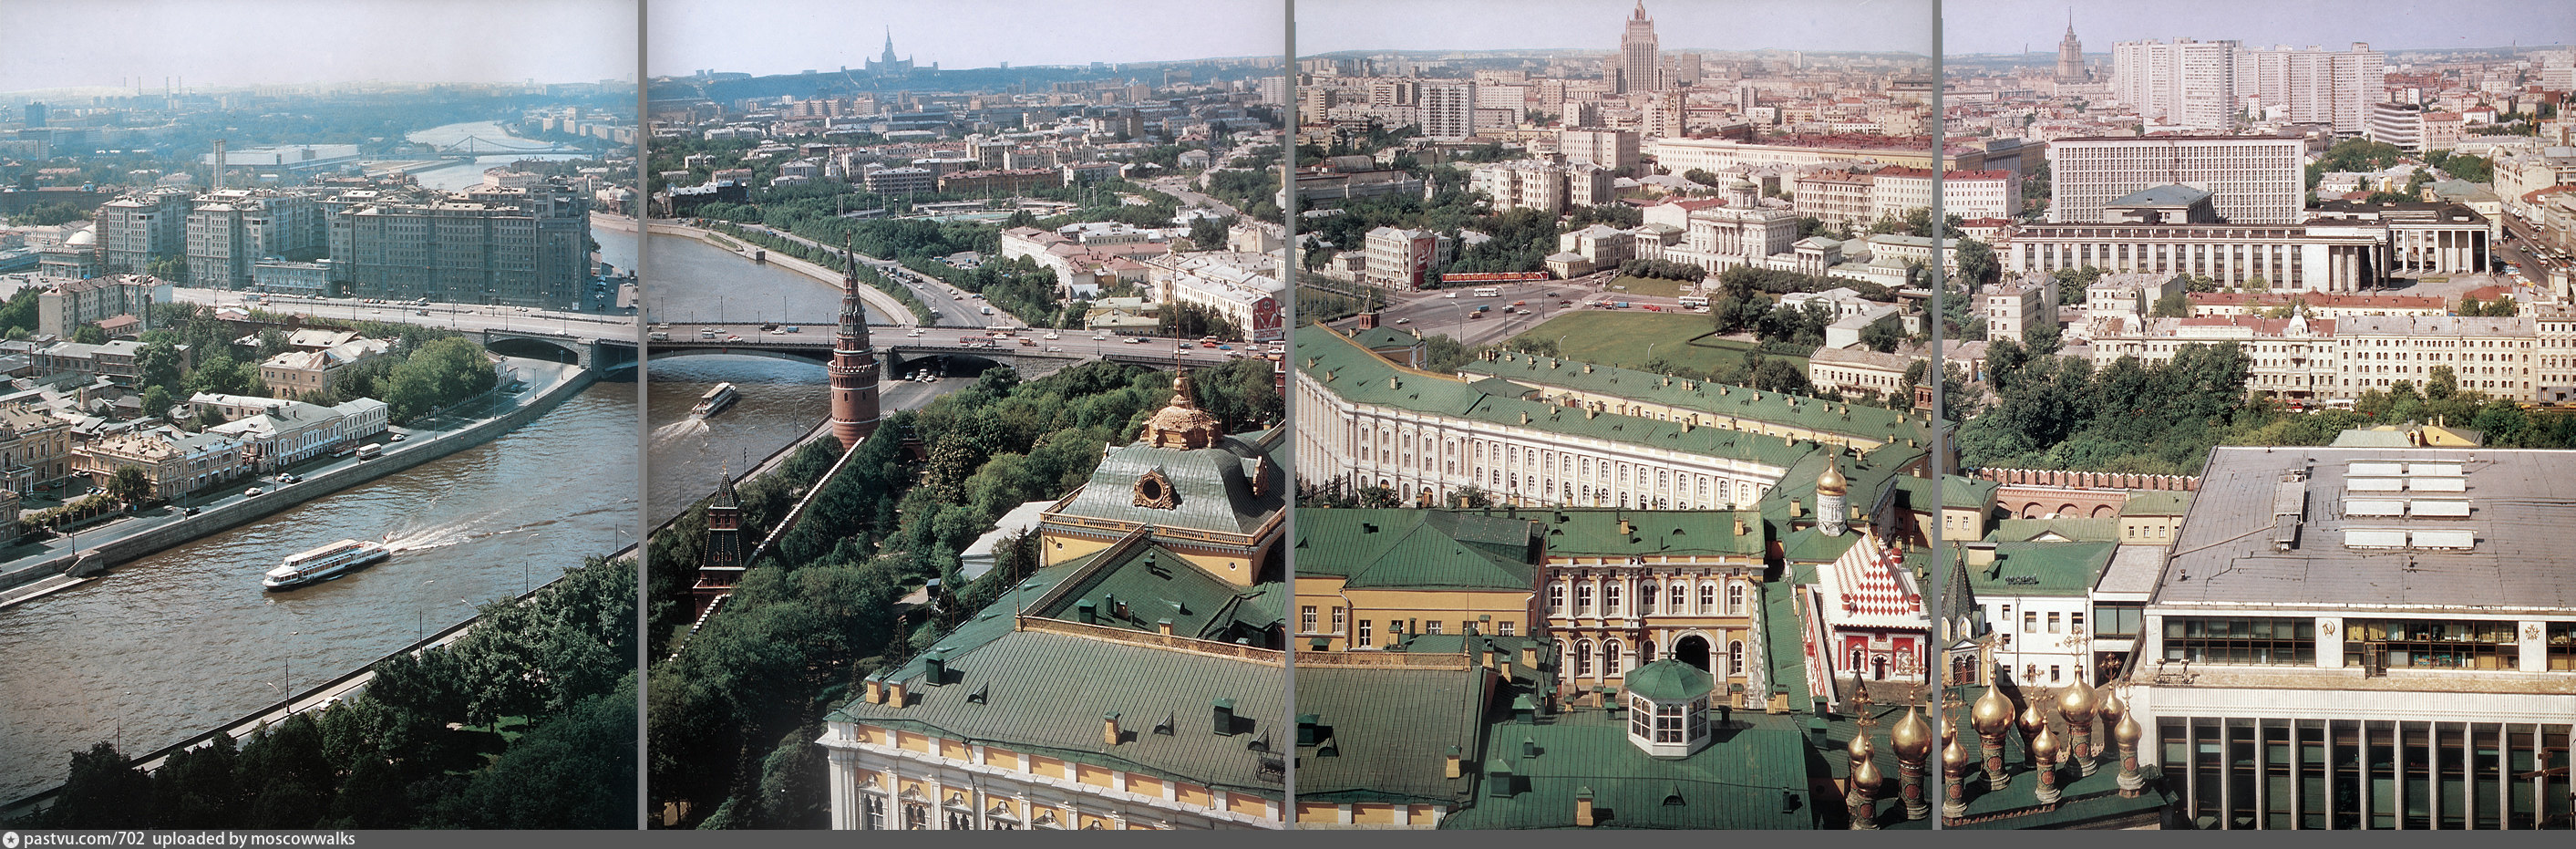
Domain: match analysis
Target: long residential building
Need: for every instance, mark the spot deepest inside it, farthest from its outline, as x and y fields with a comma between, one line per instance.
x=230, y=231
x=520, y=246
x=64, y=304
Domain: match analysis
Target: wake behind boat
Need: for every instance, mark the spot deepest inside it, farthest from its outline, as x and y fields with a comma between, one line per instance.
x=715, y=401
x=325, y=563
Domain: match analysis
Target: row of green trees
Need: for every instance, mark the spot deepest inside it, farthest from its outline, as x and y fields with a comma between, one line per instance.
x=734, y=714
x=526, y=722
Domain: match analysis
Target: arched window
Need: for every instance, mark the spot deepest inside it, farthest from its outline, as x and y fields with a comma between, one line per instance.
x=1582, y=599
x=1855, y=658
x=1646, y=652
x=1582, y=658
x=1734, y=658
x=1610, y=599
x=1708, y=598
x=1681, y=597
x=1646, y=599
x=1610, y=658
x=1556, y=598
x=1735, y=598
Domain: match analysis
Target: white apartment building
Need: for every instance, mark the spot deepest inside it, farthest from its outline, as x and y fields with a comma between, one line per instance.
x=1612, y=149
x=1522, y=184
x=2496, y=356
x=2252, y=179
x=2399, y=124
x=1402, y=259
x=2013, y=307
x=1967, y=194
x=2292, y=359
x=1243, y=287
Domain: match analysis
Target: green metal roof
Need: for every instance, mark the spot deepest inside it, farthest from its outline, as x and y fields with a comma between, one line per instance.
x=1391, y=729
x=1212, y=487
x=1045, y=693
x=2156, y=502
x=1956, y=491
x=2073, y=529
x=1395, y=548
x=1735, y=783
x=1875, y=424
x=1668, y=681
x=1155, y=584
x=1594, y=531
x=2042, y=568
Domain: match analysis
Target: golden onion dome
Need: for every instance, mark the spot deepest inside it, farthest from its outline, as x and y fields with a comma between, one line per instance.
x=2128, y=732
x=1994, y=713
x=2044, y=744
x=2077, y=704
x=1832, y=482
x=1865, y=777
x=1912, y=737
x=1862, y=747
x=1954, y=758
x=2112, y=706
x=2032, y=720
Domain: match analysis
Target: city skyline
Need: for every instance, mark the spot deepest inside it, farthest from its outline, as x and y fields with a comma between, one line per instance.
x=685, y=36
x=241, y=43
x=1979, y=27
x=1874, y=26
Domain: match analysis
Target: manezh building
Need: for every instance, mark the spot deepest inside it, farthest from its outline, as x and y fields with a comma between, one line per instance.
x=1134, y=681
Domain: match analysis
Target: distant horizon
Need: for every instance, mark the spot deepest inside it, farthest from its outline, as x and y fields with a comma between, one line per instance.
x=238, y=44
x=2019, y=27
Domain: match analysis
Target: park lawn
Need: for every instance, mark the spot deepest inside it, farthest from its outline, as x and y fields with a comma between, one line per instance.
x=1655, y=286
x=1623, y=338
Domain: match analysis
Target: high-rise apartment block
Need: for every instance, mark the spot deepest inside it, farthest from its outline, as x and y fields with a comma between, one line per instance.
x=1448, y=111
x=230, y=231
x=140, y=228
x=2253, y=179
x=2189, y=84
x=2205, y=85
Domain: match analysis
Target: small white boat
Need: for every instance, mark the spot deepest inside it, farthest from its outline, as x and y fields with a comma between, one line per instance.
x=325, y=563
x=715, y=401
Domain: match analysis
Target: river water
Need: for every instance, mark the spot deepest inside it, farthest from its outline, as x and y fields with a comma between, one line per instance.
x=781, y=399
x=461, y=174
x=174, y=645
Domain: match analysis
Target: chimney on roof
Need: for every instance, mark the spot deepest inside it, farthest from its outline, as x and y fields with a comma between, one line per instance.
x=1450, y=764
x=1583, y=807
x=1529, y=655
x=876, y=690
x=1625, y=528
x=1164, y=626
x=1109, y=729
x=1739, y=525
x=1797, y=507
x=895, y=695
x=1223, y=711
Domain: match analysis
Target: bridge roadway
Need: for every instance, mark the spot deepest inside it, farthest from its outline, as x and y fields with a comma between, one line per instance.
x=900, y=344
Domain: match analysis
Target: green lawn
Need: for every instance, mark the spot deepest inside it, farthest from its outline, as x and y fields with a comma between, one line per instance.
x=1624, y=337
x=1656, y=286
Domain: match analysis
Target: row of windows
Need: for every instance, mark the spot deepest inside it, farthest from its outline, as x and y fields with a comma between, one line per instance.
x=1366, y=636
x=1678, y=599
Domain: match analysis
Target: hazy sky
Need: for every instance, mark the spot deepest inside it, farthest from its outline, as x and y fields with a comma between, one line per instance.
x=1326, y=26
x=2004, y=26
x=788, y=36
x=64, y=43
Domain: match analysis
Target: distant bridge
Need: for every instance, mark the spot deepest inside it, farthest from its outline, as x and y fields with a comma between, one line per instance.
x=480, y=146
